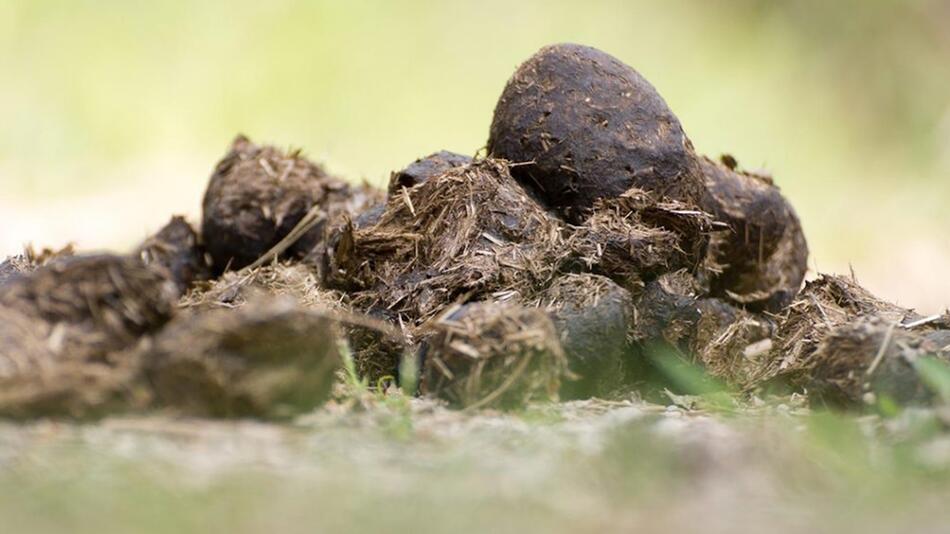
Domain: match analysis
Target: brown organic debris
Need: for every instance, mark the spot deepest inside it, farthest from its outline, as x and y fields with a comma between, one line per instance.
x=176, y=253
x=63, y=330
x=258, y=194
x=377, y=346
x=636, y=237
x=667, y=310
x=762, y=254
x=425, y=168
x=839, y=342
x=731, y=342
x=270, y=359
x=591, y=315
x=490, y=354
x=585, y=126
x=470, y=233
x=298, y=281
x=29, y=260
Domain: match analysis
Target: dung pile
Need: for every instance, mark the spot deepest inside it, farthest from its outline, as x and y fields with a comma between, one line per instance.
x=590, y=234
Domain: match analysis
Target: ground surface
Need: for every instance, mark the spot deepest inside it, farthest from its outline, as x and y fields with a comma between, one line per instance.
x=386, y=463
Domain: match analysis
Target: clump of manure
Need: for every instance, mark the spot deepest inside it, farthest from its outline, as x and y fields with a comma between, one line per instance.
x=258, y=194
x=270, y=358
x=293, y=280
x=376, y=345
x=489, y=354
x=582, y=126
x=763, y=254
x=425, y=168
x=64, y=331
x=591, y=315
x=637, y=237
x=845, y=346
x=470, y=233
x=175, y=252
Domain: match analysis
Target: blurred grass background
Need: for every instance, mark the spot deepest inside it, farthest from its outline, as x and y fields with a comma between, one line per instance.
x=114, y=112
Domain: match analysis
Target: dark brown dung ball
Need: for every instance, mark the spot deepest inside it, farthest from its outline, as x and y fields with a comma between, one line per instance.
x=870, y=358
x=763, y=255
x=175, y=253
x=667, y=309
x=257, y=194
x=269, y=359
x=489, y=354
x=424, y=168
x=582, y=126
x=591, y=314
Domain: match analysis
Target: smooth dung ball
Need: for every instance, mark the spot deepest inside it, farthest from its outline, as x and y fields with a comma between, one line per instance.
x=762, y=255
x=581, y=125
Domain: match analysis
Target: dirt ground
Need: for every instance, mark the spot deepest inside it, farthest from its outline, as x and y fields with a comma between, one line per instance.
x=392, y=464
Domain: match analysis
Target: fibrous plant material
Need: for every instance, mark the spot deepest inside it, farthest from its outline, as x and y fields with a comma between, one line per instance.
x=270, y=359
x=636, y=237
x=175, y=252
x=64, y=331
x=258, y=194
x=591, y=315
x=581, y=126
x=38, y=380
x=867, y=359
x=96, y=303
x=840, y=343
x=378, y=346
x=731, y=343
x=489, y=354
x=287, y=279
x=763, y=254
x=468, y=234
x=425, y=168
x=29, y=260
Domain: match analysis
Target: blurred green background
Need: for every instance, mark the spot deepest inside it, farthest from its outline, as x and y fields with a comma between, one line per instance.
x=114, y=112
